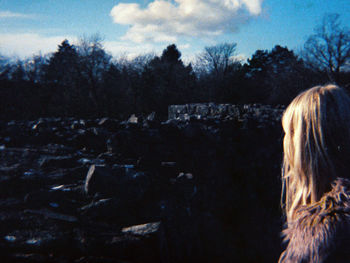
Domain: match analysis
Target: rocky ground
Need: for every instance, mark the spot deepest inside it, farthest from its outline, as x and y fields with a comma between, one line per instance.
x=201, y=187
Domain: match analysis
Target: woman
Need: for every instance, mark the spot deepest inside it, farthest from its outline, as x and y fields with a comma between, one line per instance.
x=316, y=188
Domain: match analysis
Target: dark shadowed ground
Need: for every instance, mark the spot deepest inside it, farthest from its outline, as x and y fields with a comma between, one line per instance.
x=182, y=190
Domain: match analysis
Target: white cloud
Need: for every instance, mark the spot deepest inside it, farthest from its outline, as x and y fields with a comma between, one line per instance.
x=27, y=44
x=241, y=57
x=129, y=50
x=165, y=21
x=184, y=46
x=9, y=14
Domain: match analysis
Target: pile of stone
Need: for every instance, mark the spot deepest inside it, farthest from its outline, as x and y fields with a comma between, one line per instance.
x=184, y=190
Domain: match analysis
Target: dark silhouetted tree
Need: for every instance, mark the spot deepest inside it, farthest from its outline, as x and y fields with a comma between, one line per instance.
x=65, y=81
x=286, y=75
x=217, y=59
x=5, y=67
x=214, y=67
x=18, y=73
x=93, y=63
x=274, y=77
x=35, y=68
x=171, y=55
x=328, y=49
x=166, y=80
x=63, y=65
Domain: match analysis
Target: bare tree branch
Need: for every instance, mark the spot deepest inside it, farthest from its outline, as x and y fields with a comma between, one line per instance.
x=329, y=48
x=218, y=58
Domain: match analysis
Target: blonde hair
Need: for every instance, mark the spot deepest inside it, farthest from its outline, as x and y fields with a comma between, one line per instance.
x=316, y=145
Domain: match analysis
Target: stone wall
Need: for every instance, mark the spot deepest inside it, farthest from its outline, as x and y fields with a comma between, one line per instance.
x=230, y=111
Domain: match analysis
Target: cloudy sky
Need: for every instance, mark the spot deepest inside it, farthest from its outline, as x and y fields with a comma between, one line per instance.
x=141, y=26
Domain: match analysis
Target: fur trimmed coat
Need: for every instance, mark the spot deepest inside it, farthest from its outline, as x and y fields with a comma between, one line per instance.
x=321, y=231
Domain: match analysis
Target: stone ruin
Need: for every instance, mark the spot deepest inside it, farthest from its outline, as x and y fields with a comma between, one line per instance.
x=229, y=111
x=203, y=186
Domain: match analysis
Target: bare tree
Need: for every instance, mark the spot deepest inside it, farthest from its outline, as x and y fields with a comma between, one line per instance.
x=137, y=63
x=218, y=58
x=329, y=48
x=35, y=66
x=94, y=61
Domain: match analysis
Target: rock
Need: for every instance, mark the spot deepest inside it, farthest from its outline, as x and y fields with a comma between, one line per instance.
x=151, y=117
x=133, y=119
x=102, y=209
x=52, y=215
x=107, y=157
x=9, y=170
x=78, y=124
x=58, y=162
x=121, y=181
x=151, y=121
x=138, y=240
x=142, y=230
x=109, y=124
x=168, y=164
x=91, y=139
x=100, y=179
x=37, y=125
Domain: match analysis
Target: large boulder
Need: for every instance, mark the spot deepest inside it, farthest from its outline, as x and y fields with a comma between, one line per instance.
x=120, y=181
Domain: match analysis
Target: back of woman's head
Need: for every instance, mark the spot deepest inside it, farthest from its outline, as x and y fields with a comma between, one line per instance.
x=316, y=144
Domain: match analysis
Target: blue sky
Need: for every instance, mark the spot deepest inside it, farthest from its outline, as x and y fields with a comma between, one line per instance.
x=140, y=26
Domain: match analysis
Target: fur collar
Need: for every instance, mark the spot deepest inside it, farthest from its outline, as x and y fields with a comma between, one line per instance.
x=334, y=205
x=312, y=234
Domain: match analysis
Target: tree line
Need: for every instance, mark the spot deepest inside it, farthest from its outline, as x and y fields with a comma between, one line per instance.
x=84, y=81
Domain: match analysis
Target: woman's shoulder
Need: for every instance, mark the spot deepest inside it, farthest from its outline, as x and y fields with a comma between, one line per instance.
x=320, y=230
